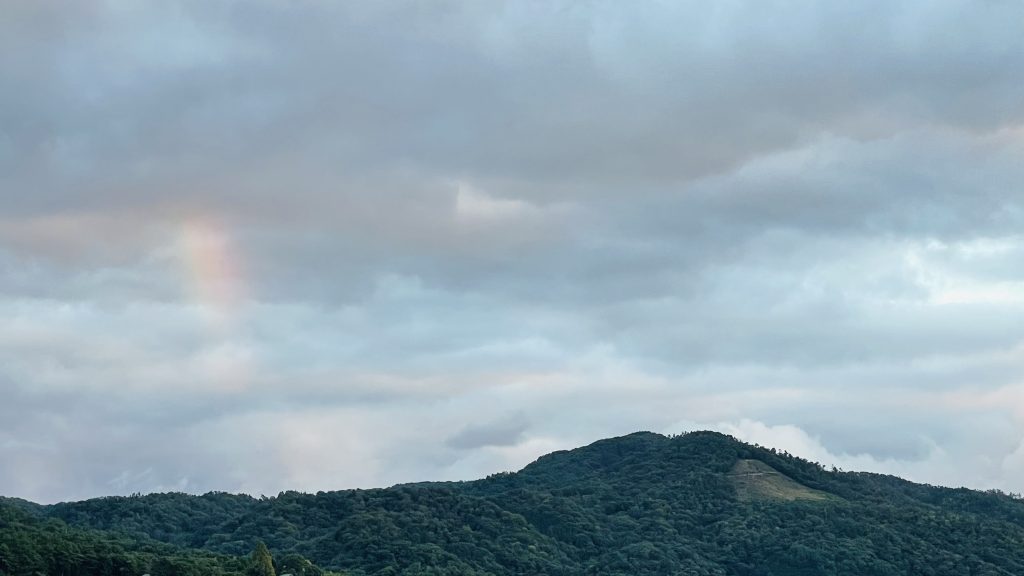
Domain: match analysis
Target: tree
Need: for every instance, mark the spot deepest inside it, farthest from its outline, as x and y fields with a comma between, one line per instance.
x=297, y=565
x=262, y=562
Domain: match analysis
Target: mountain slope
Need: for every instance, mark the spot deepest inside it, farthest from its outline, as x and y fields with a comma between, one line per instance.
x=755, y=480
x=638, y=504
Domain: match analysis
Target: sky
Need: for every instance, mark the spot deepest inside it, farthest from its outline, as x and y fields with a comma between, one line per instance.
x=309, y=245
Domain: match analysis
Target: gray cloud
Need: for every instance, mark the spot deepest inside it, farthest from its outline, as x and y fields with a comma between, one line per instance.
x=501, y=433
x=276, y=246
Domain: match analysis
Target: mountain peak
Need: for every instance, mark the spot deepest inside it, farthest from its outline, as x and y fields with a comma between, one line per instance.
x=638, y=454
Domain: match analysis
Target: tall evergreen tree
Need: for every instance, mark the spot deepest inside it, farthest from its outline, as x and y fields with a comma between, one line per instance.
x=262, y=561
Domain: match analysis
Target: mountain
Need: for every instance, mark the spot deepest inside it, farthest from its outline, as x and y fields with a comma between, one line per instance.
x=644, y=504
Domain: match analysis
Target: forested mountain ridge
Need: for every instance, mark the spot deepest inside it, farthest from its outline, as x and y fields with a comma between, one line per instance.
x=697, y=504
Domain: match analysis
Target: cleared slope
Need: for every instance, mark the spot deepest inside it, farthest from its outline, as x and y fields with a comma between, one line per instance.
x=755, y=480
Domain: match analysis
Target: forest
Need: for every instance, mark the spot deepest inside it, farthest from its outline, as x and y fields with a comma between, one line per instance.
x=700, y=503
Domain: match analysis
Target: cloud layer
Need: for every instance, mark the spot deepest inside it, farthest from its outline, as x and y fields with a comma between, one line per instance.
x=272, y=246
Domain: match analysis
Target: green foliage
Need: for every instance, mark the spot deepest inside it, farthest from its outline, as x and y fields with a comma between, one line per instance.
x=262, y=563
x=32, y=545
x=643, y=504
x=296, y=565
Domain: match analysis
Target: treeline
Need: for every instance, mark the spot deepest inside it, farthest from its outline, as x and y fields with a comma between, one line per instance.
x=32, y=546
x=643, y=504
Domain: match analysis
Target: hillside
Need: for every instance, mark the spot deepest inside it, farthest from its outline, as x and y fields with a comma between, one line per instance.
x=755, y=480
x=32, y=545
x=697, y=504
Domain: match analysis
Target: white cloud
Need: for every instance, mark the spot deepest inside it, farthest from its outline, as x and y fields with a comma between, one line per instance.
x=986, y=466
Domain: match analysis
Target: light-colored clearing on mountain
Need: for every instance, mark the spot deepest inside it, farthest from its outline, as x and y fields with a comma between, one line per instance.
x=755, y=480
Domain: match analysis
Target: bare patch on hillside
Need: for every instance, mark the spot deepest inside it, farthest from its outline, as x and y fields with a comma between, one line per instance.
x=755, y=480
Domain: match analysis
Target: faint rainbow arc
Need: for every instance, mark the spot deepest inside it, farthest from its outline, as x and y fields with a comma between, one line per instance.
x=212, y=270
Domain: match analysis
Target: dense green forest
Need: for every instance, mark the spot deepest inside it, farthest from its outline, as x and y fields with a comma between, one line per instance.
x=697, y=504
x=31, y=544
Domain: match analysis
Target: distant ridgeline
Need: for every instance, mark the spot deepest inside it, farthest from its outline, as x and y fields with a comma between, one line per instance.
x=644, y=504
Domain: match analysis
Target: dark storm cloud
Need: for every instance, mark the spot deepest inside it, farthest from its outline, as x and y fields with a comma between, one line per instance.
x=274, y=245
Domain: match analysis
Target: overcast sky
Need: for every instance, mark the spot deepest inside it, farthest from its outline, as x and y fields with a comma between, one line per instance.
x=300, y=245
